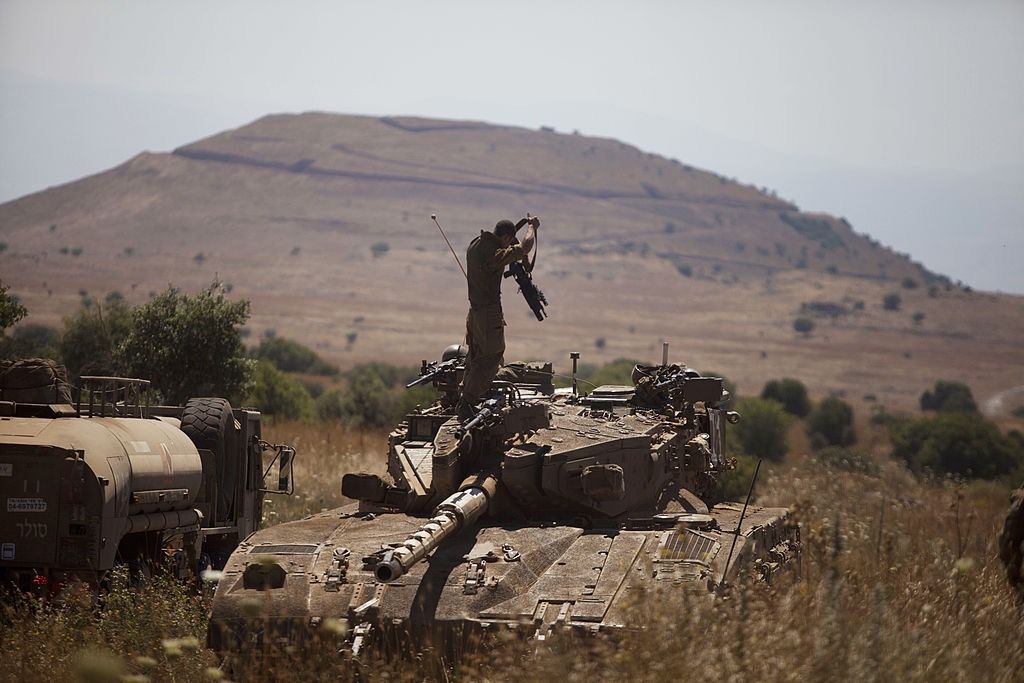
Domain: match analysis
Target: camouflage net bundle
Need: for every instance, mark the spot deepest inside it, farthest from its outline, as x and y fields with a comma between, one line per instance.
x=34, y=380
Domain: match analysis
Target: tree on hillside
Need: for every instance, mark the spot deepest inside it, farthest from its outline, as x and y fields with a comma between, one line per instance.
x=91, y=341
x=275, y=393
x=761, y=431
x=365, y=402
x=949, y=397
x=619, y=371
x=31, y=340
x=189, y=345
x=956, y=443
x=11, y=310
x=291, y=356
x=891, y=302
x=791, y=393
x=831, y=423
x=804, y=326
x=732, y=485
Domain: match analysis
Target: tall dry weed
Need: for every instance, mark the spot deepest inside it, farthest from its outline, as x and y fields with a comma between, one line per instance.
x=895, y=586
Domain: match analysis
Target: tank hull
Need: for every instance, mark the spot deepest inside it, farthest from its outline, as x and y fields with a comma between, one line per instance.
x=500, y=574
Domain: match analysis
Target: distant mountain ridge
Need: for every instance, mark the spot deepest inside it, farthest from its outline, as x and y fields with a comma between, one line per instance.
x=322, y=220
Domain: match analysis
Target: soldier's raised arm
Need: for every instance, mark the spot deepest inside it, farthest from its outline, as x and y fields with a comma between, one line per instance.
x=519, y=250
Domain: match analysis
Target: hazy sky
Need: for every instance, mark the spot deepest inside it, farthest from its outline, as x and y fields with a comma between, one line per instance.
x=904, y=117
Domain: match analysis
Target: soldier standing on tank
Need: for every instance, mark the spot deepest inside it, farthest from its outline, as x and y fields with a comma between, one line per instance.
x=486, y=259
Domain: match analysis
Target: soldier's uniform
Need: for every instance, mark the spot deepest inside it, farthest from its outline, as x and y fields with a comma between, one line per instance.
x=485, y=324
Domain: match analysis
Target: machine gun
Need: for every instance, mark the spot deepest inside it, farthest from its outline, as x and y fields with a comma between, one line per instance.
x=489, y=413
x=431, y=371
x=533, y=295
x=673, y=377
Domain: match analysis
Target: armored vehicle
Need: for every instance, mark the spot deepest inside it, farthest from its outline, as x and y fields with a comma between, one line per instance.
x=547, y=510
x=103, y=478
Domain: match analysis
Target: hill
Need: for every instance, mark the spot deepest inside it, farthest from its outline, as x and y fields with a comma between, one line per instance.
x=322, y=220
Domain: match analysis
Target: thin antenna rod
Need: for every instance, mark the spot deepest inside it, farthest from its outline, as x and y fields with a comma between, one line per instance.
x=739, y=525
x=433, y=217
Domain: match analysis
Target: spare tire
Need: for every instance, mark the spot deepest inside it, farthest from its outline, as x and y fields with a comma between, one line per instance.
x=210, y=424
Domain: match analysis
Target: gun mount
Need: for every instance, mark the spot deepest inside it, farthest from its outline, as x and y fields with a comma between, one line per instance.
x=544, y=508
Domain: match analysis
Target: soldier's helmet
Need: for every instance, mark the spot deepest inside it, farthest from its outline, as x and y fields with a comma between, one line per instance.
x=504, y=227
x=455, y=351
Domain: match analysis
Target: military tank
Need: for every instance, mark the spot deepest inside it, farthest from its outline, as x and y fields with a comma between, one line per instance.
x=546, y=511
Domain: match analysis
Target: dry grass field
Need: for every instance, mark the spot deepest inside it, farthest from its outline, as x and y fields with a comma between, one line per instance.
x=900, y=582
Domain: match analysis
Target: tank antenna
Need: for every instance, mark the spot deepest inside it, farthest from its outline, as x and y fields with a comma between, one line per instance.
x=575, y=356
x=433, y=217
x=739, y=525
x=664, y=354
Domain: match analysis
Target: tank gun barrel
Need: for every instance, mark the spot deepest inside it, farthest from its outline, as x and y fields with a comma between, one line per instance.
x=459, y=510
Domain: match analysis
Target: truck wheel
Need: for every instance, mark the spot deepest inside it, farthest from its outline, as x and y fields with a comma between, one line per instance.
x=210, y=425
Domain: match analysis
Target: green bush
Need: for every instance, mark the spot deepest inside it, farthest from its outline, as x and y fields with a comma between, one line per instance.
x=619, y=371
x=91, y=341
x=949, y=397
x=591, y=375
x=374, y=396
x=189, y=345
x=291, y=356
x=31, y=340
x=734, y=484
x=408, y=399
x=314, y=386
x=11, y=310
x=803, y=325
x=791, y=393
x=832, y=423
x=392, y=376
x=275, y=393
x=956, y=443
x=891, y=302
x=761, y=431
x=365, y=402
x=328, y=405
